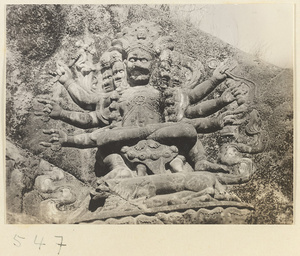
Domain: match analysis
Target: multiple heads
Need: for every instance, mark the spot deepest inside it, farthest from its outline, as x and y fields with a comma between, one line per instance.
x=131, y=56
x=128, y=62
x=120, y=73
x=169, y=76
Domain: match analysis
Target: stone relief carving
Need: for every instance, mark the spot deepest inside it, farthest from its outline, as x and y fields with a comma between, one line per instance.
x=147, y=115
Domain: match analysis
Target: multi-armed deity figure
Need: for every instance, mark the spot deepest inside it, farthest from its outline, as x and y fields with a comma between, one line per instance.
x=147, y=129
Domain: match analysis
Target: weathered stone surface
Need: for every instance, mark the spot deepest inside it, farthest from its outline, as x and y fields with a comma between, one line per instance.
x=38, y=190
x=125, y=220
x=223, y=216
x=171, y=218
x=190, y=216
x=31, y=203
x=21, y=218
x=218, y=215
x=14, y=196
x=143, y=219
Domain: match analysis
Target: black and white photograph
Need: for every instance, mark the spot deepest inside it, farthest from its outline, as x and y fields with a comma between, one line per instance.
x=149, y=114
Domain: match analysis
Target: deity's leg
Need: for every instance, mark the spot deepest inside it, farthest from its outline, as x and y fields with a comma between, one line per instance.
x=182, y=135
x=179, y=134
x=123, y=136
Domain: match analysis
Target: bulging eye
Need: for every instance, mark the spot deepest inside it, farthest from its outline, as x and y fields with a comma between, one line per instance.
x=132, y=59
x=144, y=60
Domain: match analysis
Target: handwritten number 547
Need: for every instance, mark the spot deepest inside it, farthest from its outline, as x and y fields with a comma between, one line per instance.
x=18, y=242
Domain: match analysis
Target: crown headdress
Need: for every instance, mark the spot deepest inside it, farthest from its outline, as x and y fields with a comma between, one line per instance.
x=143, y=35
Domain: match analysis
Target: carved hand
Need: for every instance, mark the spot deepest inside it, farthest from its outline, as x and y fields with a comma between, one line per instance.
x=219, y=72
x=64, y=72
x=57, y=139
x=51, y=108
x=230, y=94
x=239, y=93
x=232, y=83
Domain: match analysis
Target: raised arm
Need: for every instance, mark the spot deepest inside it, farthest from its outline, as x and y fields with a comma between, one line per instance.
x=81, y=97
x=206, y=87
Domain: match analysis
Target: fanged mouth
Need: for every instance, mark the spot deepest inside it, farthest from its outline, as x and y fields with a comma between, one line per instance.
x=139, y=72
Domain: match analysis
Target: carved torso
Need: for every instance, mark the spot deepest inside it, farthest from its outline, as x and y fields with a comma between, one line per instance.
x=140, y=106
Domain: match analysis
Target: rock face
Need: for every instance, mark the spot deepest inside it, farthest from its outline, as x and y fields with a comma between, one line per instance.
x=149, y=180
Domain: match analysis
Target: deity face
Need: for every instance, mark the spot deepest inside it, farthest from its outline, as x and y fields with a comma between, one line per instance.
x=119, y=74
x=142, y=32
x=176, y=81
x=164, y=75
x=108, y=84
x=115, y=55
x=139, y=67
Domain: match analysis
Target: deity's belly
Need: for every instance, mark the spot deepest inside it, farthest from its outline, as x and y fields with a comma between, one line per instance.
x=141, y=106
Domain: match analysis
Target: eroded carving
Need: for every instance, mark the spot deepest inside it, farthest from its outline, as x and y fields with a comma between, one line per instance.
x=152, y=106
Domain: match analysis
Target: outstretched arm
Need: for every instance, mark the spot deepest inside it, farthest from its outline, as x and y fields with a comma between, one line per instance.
x=83, y=120
x=78, y=119
x=206, y=87
x=60, y=139
x=209, y=107
x=212, y=124
x=204, y=125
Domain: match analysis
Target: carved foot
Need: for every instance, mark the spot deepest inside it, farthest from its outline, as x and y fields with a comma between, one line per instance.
x=120, y=172
x=141, y=170
x=176, y=165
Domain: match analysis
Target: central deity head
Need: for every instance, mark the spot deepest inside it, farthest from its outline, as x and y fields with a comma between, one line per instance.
x=139, y=66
